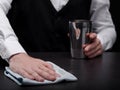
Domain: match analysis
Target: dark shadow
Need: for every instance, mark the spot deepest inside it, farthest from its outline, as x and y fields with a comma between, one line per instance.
x=114, y=9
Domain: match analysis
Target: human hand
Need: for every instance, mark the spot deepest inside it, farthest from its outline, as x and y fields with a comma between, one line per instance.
x=94, y=48
x=32, y=68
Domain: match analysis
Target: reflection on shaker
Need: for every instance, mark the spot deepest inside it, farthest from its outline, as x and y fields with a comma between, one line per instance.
x=77, y=30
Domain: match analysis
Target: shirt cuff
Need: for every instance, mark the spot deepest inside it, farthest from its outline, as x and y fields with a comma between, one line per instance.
x=106, y=44
x=9, y=48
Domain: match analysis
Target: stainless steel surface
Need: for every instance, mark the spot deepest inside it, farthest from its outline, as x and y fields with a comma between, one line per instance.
x=78, y=30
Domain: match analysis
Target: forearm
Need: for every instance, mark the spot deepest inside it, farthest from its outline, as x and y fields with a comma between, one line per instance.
x=9, y=44
x=107, y=38
x=102, y=23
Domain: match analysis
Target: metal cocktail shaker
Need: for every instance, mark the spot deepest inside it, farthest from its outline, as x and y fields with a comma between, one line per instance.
x=77, y=31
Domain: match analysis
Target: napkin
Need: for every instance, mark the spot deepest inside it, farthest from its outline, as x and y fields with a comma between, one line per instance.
x=64, y=76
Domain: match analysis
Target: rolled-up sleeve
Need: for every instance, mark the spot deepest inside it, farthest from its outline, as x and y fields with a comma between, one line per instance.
x=102, y=23
x=9, y=44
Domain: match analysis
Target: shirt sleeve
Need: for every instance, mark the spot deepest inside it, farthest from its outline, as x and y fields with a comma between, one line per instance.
x=9, y=44
x=102, y=23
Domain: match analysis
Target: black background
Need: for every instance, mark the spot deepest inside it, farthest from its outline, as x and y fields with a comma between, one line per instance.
x=114, y=9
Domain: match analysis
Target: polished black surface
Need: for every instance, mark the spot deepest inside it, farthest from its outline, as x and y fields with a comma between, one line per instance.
x=100, y=73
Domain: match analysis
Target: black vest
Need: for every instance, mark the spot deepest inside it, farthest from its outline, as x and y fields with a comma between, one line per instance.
x=40, y=27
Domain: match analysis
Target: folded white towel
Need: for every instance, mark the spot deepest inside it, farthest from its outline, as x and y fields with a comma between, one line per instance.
x=64, y=75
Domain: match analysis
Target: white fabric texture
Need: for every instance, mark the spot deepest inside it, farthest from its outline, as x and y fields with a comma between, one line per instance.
x=59, y=4
x=64, y=75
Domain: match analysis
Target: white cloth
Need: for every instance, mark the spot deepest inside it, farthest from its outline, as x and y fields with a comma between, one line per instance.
x=100, y=15
x=64, y=75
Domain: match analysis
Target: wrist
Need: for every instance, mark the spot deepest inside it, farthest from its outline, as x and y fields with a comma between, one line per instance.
x=14, y=56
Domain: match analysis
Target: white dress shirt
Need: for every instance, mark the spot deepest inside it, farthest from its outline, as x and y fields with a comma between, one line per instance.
x=100, y=15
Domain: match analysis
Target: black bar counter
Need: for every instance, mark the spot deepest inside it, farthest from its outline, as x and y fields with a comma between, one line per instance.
x=100, y=73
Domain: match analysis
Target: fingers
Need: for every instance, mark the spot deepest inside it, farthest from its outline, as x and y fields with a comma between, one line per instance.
x=48, y=65
x=91, y=46
x=94, y=52
x=38, y=73
x=32, y=68
x=93, y=49
x=25, y=74
x=99, y=52
x=28, y=73
x=92, y=36
x=45, y=72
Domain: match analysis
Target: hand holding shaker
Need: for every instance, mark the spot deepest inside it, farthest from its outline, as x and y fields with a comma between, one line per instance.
x=78, y=30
